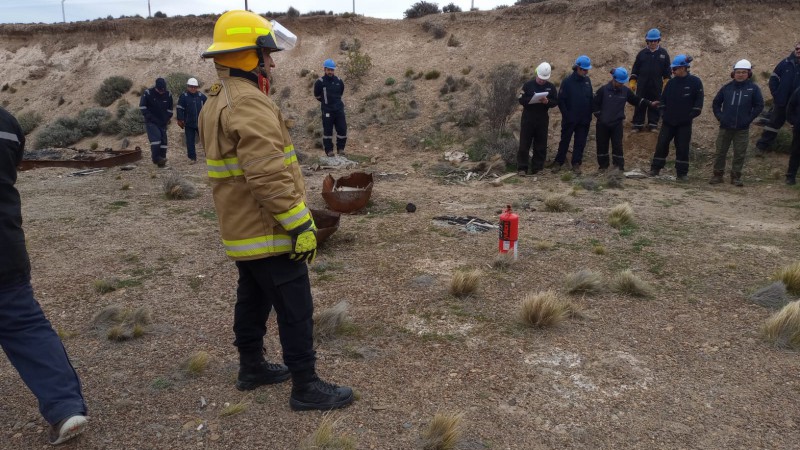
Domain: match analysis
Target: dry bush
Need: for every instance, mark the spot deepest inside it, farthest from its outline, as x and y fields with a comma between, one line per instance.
x=178, y=188
x=599, y=249
x=196, y=363
x=325, y=437
x=501, y=96
x=790, y=276
x=544, y=245
x=583, y=281
x=783, y=327
x=328, y=322
x=443, y=432
x=772, y=296
x=120, y=324
x=621, y=215
x=28, y=121
x=465, y=283
x=546, y=309
x=503, y=261
x=112, y=89
x=626, y=282
x=557, y=203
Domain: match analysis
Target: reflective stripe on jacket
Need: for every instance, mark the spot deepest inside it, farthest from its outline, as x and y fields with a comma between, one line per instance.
x=258, y=188
x=329, y=90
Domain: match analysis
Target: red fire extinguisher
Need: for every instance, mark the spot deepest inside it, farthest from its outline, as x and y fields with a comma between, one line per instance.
x=509, y=231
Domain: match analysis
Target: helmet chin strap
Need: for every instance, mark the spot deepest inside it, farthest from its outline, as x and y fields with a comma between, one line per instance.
x=263, y=78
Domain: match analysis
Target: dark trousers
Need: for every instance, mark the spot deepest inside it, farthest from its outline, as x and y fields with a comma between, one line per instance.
x=158, y=141
x=776, y=121
x=331, y=120
x=604, y=134
x=682, y=134
x=794, y=159
x=581, y=132
x=36, y=351
x=283, y=284
x=639, y=112
x=191, y=137
x=533, y=131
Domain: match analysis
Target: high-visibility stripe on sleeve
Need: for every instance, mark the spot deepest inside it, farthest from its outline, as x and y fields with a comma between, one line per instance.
x=294, y=217
x=223, y=168
x=289, y=155
x=9, y=136
x=261, y=245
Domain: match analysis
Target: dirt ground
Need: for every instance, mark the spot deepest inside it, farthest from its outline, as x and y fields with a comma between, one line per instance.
x=685, y=369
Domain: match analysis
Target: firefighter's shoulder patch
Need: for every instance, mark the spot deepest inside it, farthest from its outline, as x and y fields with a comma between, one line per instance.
x=215, y=88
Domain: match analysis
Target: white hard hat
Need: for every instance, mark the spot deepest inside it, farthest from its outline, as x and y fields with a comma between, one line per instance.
x=543, y=71
x=192, y=82
x=743, y=64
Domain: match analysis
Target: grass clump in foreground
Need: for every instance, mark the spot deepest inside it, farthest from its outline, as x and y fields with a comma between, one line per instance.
x=178, y=188
x=626, y=282
x=790, y=276
x=465, y=283
x=122, y=324
x=557, y=203
x=783, y=328
x=583, y=281
x=326, y=437
x=328, y=322
x=443, y=432
x=621, y=215
x=232, y=410
x=503, y=261
x=196, y=363
x=545, y=309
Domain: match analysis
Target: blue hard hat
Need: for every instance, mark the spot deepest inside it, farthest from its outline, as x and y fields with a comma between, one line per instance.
x=681, y=61
x=653, y=35
x=329, y=64
x=620, y=75
x=583, y=62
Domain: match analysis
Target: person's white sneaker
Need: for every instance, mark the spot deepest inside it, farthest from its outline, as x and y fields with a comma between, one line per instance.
x=67, y=429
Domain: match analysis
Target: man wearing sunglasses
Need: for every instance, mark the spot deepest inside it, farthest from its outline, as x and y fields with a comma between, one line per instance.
x=785, y=79
x=649, y=74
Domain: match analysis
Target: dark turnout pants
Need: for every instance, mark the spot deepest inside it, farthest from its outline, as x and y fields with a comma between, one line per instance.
x=682, y=134
x=283, y=284
x=533, y=131
x=331, y=120
x=776, y=121
x=581, y=132
x=794, y=159
x=604, y=134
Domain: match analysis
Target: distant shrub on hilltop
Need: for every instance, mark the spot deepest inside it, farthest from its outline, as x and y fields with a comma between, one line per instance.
x=421, y=9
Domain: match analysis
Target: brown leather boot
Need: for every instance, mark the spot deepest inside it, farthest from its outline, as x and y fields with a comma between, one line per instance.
x=717, y=178
x=736, y=179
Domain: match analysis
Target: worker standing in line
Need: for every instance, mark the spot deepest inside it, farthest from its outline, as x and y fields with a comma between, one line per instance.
x=649, y=75
x=190, y=103
x=328, y=89
x=156, y=107
x=785, y=79
x=793, y=117
x=265, y=223
x=609, y=108
x=736, y=106
x=535, y=123
x=681, y=102
x=575, y=103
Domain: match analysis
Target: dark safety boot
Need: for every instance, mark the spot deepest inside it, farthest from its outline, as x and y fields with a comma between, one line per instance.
x=318, y=394
x=790, y=180
x=717, y=178
x=253, y=376
x=736, y=179
x=653, y=172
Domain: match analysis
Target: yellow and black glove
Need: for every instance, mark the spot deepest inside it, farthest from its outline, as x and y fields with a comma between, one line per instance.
x=632, y=85
x=664, y=84
x=304, y=243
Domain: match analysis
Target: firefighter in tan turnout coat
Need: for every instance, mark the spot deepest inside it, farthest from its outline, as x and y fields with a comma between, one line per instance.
x=266, y=226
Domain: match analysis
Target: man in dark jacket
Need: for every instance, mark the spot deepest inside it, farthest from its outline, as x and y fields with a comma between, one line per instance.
x=681, y=102
x=736, y=106
x=784, y=80
x=609, y=108
x=156, y=106
x=329, y=89
x=575, y=103
x=649, y=74
x=26, y=336
x=189, y=105
x=535, y=119
x=793, y=116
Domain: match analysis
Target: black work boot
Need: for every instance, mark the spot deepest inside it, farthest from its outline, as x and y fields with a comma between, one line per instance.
x=317, y=394
x=790, y=180
x=736, y=179
x=717, y=178
x=252, y=376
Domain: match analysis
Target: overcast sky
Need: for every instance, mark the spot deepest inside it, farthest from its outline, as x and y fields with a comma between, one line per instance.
x=49, y=11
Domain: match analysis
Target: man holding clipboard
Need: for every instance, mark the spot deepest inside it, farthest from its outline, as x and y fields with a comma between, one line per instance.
x=537, y=97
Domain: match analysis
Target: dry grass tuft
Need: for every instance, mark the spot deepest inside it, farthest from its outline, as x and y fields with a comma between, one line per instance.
x=443, y=432
x=772, y=296
x=790, y=275
x=783, y=327
x=232, y=410
x=545, y=309
x=544, y=245
x=328, y=322
x=465, y=283
x=122, y=324
x=583, y=281
x=326, y=437
x=178, y=188
x=503, y=261
x=108, y=316
x=557, y=203
x=196, y=363
x=626, y=282
x=599, y=249
x=621, y=215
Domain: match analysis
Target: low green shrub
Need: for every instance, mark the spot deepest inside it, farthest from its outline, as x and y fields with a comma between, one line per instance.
x=29, y=120
x=112, y=89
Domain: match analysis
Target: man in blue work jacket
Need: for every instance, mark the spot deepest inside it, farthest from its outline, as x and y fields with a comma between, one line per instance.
x=189, y=105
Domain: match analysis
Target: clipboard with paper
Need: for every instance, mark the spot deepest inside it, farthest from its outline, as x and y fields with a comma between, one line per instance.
x=537, y=98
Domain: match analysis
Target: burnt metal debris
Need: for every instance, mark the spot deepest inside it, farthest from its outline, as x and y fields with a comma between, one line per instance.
x=327, y=223
x=470, y=223
x=78, y=158
x=349, y=193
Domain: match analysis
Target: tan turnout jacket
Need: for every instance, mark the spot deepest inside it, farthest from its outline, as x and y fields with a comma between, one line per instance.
x=257, y=184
